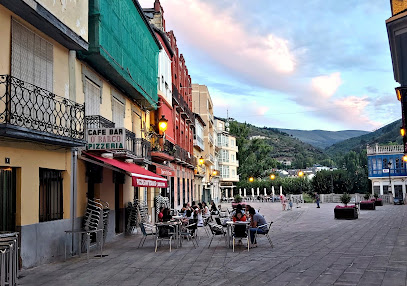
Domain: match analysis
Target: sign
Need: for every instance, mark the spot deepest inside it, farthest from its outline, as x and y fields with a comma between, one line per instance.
x=106, y=138
x=165, y=172
x=140, y=182
x=385, y=170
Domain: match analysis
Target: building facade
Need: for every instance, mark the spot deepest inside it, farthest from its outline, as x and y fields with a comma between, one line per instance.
x=179, y=135
x=75, y=109
x=387, y=170
x=226, y=151
x=202, y=105
x=199, y=148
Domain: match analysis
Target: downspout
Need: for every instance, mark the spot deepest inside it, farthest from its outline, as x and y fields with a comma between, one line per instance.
x=74, y=151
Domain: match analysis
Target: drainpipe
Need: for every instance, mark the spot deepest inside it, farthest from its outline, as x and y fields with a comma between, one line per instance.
x=74, y=169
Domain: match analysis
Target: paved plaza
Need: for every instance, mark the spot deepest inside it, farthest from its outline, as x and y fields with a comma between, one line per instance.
x=310, y=248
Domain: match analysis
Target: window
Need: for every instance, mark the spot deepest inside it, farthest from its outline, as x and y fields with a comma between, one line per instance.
x=51, y=195
x=232, y=142
x=32, y=57
x=92, y=98
x=117, y=112
x=224, y=171
x=232, y=157
x=224, y=155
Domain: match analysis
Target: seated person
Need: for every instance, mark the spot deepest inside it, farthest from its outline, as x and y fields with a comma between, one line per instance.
x=205, y=209
x=166, y=215
x=184, y=209
x=256, y=221
x=161, y=214
x=214, y=210
x=239, y=216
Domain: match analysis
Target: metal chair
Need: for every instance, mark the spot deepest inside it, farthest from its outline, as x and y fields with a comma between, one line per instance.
x=164, y=232
x=266, y=233
x=240, y=231
x=216, y=230
x=146, y=230
x=190, y=232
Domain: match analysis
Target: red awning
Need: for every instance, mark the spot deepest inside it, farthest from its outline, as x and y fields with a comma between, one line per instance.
x=141, y=177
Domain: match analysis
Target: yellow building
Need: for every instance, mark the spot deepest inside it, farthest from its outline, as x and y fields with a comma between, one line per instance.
x=60, y=82
x=202, y=105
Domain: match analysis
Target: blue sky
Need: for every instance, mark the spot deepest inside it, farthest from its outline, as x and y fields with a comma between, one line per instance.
x=295, y=64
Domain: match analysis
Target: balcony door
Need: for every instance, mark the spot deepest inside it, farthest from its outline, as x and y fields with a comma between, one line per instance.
x=32, y=60
x=137, y=123
x=92, y=97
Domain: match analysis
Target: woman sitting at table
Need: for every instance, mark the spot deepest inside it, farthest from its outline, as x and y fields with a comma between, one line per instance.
x=205, y=210
x=161, y=214
x=239, y=216
x=214, y=210
x=166, y=215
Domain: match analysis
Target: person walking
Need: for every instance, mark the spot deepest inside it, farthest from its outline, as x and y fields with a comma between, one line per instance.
x=317, y=199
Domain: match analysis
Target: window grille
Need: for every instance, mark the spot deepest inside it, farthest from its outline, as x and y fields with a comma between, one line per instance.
x=51, y=195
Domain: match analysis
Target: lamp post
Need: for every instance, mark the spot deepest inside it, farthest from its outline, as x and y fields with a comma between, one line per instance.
x=272, y=177
x=332, y=181
x=301, y=174
x=389, y=166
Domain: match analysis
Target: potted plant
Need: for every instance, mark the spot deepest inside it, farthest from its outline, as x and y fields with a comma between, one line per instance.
x=366, y=196
x=237, y=199
x=345, y=212
x=377, y=201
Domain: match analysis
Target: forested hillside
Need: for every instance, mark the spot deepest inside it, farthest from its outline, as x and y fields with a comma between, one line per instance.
x=389, y=134
x=322, y=138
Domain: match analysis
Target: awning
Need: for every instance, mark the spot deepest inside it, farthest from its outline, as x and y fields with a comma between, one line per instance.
x=141, y=177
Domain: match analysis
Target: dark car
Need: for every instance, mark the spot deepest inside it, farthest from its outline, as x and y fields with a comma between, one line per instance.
x=398, y=201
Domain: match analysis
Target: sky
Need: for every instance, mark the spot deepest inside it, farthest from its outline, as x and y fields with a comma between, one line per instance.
x=316, y=64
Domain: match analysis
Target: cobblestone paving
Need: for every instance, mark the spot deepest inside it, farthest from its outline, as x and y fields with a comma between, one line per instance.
x=310, y=248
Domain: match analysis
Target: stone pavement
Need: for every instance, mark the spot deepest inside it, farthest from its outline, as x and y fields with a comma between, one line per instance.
x=310, y=248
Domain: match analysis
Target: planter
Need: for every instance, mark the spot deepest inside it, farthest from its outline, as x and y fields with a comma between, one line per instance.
x=367, y=205
x=348, y=212
x=377, y=202
x=234, y=205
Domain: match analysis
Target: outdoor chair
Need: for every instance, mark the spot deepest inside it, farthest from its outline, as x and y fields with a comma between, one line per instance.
x=189, y=232
x=216, y=230
x=266, y=233
x=240, y=231
x=205, y=224
x=146, y=230
x=164, y=232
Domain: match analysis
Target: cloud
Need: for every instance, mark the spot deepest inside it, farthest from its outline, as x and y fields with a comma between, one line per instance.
x=327, y=85
x=251, y=48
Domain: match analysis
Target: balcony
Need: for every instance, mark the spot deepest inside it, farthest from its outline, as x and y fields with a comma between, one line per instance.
x=182, y=106
x=138, y=149
x=210, y=139
x=164, y=152
x=199, y=142
x=210, y=158
x=97, y=121
x=390, y=149
x=32, y=113
x=210, y=118
x=185, y=158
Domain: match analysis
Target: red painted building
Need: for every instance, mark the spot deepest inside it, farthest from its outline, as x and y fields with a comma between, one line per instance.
x=176, y=150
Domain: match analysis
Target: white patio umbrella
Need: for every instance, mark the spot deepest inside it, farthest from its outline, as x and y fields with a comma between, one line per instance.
x=258, y=192
x=240, y=192
x=272, y=191
x=226, y=193
x=252, y=192
x=281, y=190
x=244, y=192
x=265, y=192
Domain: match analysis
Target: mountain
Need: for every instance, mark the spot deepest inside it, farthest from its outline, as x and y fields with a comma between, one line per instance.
x=385, y=135
x=321, y=138
x=284, y=147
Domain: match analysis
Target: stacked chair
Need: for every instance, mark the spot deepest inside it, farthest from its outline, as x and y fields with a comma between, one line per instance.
x=8, y=258
x=96, y=217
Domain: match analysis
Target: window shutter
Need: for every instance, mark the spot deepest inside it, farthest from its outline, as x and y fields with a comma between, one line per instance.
x=92, y=98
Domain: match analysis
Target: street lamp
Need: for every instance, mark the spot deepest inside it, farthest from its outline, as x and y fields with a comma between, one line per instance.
x=332, y=181
x=251, y=179
x=389, y=166
x=272, y=176
x=162, y=124
x=300, y=174
x=201, y=161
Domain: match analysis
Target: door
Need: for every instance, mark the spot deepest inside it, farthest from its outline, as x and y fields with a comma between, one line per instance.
x=118, y=206
x=7, y=199
x=398, y=191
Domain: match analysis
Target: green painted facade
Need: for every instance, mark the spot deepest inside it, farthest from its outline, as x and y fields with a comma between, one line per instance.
x=123, y=49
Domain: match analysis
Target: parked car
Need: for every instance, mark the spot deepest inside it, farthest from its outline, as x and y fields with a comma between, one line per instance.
x=398, y=201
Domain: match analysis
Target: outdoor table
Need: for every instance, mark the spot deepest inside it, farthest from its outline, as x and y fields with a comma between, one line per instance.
x=175, y=224
x=87, y=232
x=229, y=227
x=177, y=217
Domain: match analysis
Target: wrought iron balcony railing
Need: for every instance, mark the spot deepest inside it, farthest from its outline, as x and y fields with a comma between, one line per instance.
x=137, y=149
x=183, y=106
x=97, y=121
x=30, y=107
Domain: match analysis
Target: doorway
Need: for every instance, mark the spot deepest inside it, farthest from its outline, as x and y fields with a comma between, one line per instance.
x=118, y=179
x=7, y=199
